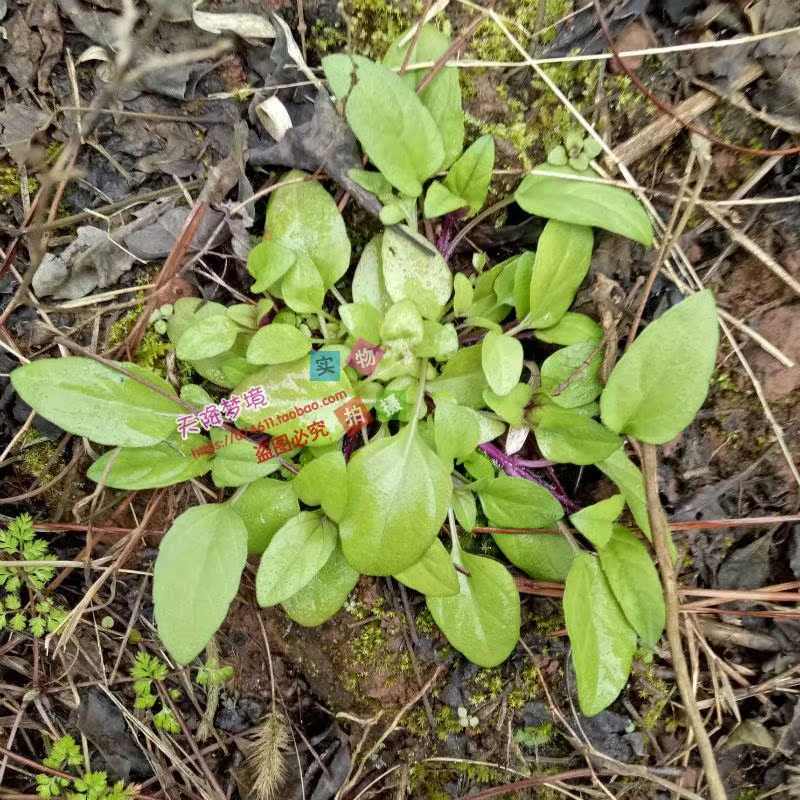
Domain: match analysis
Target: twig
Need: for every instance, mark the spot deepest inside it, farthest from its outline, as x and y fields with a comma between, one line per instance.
x=658, y=524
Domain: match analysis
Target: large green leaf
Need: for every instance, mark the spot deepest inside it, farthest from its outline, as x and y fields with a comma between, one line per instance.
x=659, y=385
x=265, y=506
x=89, y=399
x=442, y=96
x=323, y=482
x=562, y=260
x=163, y=464
x=571, y=376
x=433, y=575
x=305, y=218
x=236, y=460
x=602, y=640
x=629, y=481
x=482, y=621
x=296, y=553
x=324, y=594
x=634, y=581
x=518, y=503
x=398, y=494
x=543, y=556
x=291, y=391
x=566, y=437
x=196, y=577
x=413, y=270
x=584, y=203
x=501, y=360
x=395, y=129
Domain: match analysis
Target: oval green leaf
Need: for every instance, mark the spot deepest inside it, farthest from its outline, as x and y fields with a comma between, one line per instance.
x=277, y=344
x=567, y=437
x=482, y=621
x=659, y=385
x=501, y=360
x=433, y=575
x=264, y=506
x=196, y=577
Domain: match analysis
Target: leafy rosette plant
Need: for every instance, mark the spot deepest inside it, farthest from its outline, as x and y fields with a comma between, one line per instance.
x=437, y=359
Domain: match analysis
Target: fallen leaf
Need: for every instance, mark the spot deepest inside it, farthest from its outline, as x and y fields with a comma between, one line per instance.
x=634, y=37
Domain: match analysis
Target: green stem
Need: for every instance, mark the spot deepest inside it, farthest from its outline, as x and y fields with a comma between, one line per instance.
x=562, y=526
x=455, y=553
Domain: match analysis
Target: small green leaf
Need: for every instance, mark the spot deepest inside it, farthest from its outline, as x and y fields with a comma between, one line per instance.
x=456, y=431
x=236, y=461
x=305, y=218
x=571, y=376
x=462, y=298
x=518, y=503
x=323, y=482
x=439, y=200
x=244, y=314
x=196, y=577
x=464, y=508
x=442, y=96
x=471, y=174
x=659, y=385
x=362, y=320
x=628, y=478
x=373, y=182
x=603, y=642
x=264, y=506
x=482, y=621
x=164, y=464
x=277, y=344
x=398, y=494
x=395, y=129
x=501, y=360
x=368, y=285
x=522, y=284
x=324, y=594
x=596, y=521
x=297, y=552
x=462, y=378
x=562, y=260
x=228, y=368
x=567, y=437
x=402, y=326
x=572, y=328
x=207, y=337
x=302, y=287
x=89, y=399
x=511, y=407
x=584, y=203
x=433, y=575
x=634, y=581
x=268, y=262
x=543, y=556
x=413, y=270
x=438, y=341
x=195, y=395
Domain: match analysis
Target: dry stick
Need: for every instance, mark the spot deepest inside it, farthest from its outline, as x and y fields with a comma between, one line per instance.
x=660, y=528
x=664, y=128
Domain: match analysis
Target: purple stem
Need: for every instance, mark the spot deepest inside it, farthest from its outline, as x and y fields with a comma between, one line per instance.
x=512, y=466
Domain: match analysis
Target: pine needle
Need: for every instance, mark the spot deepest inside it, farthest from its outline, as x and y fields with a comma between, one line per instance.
x=266, y=756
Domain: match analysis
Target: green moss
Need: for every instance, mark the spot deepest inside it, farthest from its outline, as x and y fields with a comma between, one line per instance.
x=424, y=622
x=36, y=456
x=429, y=780
x=447, y=722
x=11, y=184
x=367, y=647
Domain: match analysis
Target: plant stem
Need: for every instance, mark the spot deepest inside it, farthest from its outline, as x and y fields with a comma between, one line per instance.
x=456, y=551
x=564, y=528
x=660, y=528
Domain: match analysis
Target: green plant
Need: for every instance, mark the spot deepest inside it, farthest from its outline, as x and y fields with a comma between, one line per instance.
x=438, y=360
x=147, y=669
x=18, y=542
x=65, y=753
